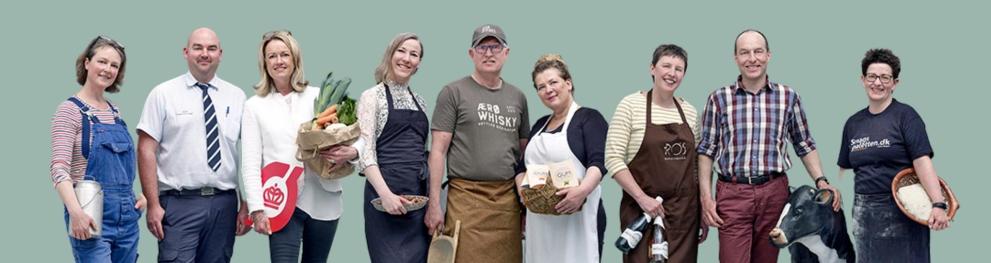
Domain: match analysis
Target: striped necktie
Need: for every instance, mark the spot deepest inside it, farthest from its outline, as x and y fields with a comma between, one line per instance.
x=212, y=132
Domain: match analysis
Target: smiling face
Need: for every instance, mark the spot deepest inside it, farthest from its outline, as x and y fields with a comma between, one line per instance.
x=554, y=91
x=489, y=55
x=405, y=60
x=668, y=73
x=879, y=82
x=102, y=68
x=752, y=56
x=203, y=52
x=279, y=61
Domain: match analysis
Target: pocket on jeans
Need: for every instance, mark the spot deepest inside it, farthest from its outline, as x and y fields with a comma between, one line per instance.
x=80, y=244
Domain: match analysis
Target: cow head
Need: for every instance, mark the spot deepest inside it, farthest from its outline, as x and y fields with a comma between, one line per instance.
x=807, y=212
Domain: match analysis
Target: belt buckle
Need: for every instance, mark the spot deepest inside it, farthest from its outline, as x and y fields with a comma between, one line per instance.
x=206, y=191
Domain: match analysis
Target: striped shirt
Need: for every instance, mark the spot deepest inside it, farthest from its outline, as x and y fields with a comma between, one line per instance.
x=745, y=133
x=68, y=163
x=629, y=122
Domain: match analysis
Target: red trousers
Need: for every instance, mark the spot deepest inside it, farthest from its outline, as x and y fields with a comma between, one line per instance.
x=749, y=212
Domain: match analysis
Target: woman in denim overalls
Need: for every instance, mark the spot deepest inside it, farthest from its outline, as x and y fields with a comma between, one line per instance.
x=88, y=128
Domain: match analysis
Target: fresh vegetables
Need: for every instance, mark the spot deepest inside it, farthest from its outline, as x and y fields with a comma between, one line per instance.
x=348, y=112
x=333, y=104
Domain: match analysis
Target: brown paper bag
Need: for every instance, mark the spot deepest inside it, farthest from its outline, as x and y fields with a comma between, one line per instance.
x=311, y=142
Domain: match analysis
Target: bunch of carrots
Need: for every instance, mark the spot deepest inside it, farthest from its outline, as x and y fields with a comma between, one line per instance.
x=333, y=106
x=327, y=117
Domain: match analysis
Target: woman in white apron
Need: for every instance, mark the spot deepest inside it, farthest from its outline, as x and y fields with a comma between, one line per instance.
x=576, y=136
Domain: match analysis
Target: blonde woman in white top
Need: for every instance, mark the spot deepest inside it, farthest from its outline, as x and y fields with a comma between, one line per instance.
x=271, y=119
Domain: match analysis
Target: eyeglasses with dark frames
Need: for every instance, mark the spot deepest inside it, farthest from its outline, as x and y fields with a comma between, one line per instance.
x=495, y=48
x=885, y=78
x=107, y=40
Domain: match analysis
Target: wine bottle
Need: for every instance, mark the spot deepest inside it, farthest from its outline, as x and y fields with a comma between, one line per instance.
x=631, y=236
x=659, y=248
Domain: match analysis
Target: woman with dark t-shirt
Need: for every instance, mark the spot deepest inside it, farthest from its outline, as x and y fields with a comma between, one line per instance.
x=877, y=143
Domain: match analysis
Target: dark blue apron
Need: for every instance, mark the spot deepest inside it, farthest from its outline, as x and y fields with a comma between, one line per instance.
x=882, y=233
x=402, y=161
x=111, y=162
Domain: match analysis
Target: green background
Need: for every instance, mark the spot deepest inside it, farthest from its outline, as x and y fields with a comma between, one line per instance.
x=816, y=47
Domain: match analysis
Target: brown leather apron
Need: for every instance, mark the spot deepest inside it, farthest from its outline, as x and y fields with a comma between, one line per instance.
x=665, y=166
x=490, y=214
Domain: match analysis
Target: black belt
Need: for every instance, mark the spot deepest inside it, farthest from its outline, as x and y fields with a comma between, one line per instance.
x=205, y=191
x=752, y=180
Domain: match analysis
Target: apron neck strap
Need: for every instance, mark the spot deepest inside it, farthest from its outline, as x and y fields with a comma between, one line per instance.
x=650, y=104
x=388, y=97
x=567, y=118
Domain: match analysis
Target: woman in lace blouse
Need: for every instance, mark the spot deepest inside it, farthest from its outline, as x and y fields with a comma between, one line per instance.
x=394, y=127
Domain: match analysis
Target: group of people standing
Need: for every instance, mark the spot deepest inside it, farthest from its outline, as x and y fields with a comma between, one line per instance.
x=656, y=145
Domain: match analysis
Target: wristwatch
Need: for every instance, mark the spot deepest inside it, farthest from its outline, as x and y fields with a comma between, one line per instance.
x=821, y=178
x=941, y=205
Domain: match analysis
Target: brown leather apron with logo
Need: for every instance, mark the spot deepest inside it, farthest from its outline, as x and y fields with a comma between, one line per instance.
x=665, y=166
x=490, y=214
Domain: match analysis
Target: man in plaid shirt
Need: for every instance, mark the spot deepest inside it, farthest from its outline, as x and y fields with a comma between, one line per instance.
x=745, y=128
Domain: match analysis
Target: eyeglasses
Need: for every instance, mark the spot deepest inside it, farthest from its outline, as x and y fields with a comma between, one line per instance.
x=495, y=48
x=270, y=34
x=884, y=78
x=107, y=40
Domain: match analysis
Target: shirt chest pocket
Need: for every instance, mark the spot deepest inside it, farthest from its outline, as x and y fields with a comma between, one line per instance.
x=230, y=123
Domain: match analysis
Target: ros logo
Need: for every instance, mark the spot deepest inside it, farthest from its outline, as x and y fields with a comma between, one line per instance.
x=676, y=149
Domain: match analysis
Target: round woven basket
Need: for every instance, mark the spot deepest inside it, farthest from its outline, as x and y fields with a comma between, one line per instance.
x=908, y=177
x=542, y=199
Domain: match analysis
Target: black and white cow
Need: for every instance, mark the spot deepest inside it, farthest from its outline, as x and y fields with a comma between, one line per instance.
x=811, y=230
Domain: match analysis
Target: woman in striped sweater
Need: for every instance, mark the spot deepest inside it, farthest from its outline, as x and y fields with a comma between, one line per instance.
x=650, y=148
x=90, y=141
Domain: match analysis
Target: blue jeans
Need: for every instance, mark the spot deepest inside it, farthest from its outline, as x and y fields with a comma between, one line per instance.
x=118, y=242
x=315, y=235
x=884, y=234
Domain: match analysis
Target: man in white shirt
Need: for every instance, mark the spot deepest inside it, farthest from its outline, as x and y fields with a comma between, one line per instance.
x=187, y=158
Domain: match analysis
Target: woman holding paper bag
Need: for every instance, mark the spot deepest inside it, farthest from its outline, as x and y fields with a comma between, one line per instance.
x=270, y=125
x=394, y=160
x=568, y=142
x=651, y=149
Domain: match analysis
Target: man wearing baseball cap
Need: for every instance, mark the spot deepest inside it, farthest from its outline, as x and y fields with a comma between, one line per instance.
x=479, y=126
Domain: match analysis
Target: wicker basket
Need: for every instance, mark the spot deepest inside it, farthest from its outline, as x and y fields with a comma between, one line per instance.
x=543, y=198
x=908, y=177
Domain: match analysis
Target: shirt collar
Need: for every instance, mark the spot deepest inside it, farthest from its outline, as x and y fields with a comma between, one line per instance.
x=395, y=85
x=738, y=87
x=191, y=82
